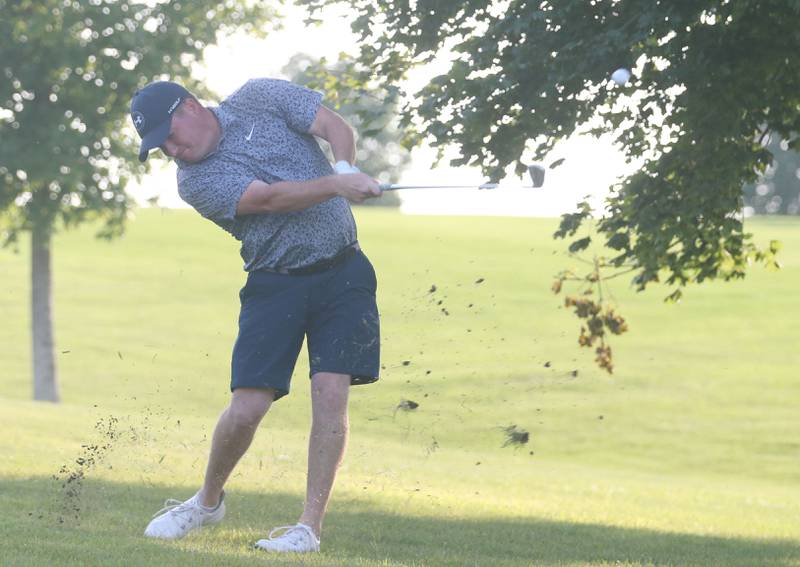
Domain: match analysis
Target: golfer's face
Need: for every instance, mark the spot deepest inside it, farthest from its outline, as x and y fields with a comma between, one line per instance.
x=186, y=135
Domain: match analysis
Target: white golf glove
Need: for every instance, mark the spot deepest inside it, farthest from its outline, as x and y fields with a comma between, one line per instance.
x=342, y=166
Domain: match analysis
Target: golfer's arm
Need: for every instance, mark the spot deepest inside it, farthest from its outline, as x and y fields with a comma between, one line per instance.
x=285, y=196
x=331, y=127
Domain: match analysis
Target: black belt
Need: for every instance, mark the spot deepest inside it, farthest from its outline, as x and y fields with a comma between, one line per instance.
x=319, y=265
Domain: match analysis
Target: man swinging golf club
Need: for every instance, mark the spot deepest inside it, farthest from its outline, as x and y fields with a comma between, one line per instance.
x=252, y=166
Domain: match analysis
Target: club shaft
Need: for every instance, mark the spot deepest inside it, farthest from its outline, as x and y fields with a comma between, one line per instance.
x=536, y=173
x=387, y=187
x=392, y=187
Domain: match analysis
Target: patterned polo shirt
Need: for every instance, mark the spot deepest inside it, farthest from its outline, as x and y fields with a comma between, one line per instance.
x=265, y=136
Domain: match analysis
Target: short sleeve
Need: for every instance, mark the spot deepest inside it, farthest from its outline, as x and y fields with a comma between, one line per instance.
x=296, y=104
x=214, y=193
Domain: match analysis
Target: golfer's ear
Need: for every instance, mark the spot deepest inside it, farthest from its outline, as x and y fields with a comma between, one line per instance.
x=190, y=105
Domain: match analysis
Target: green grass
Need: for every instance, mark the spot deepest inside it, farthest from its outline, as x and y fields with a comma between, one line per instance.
x=688, y=456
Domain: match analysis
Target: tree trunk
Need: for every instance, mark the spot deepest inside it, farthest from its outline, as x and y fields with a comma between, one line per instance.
x=45, y=378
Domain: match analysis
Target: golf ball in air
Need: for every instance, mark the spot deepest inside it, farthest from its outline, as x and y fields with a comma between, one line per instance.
x=621, y=76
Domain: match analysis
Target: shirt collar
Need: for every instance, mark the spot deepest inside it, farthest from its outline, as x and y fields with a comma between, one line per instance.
x=224, y=119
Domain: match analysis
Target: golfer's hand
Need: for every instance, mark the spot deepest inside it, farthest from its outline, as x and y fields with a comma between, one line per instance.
x=357, y=187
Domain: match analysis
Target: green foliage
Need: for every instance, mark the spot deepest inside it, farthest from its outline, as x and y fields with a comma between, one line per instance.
x=372, y=113
x=571, y=222
x=710, y=81
x=68, y=72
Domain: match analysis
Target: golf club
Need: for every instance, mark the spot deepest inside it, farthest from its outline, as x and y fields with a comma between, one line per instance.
x=536, y=173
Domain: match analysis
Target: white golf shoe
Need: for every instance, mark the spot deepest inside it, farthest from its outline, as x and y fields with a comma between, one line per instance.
x=176, y=518
x=295, y=539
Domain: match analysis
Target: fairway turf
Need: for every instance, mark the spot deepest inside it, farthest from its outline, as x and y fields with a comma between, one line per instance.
x=689, y=455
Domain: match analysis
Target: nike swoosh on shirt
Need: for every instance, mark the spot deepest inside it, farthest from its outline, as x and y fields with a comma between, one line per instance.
x=251, y=132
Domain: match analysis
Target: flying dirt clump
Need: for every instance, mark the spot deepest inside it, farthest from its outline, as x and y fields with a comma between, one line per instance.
x=439, y=302
x=406, y=405
x=72, y=475
x=515, y=436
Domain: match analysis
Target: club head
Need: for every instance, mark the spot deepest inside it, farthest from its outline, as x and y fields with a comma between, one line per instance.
x=537, y=175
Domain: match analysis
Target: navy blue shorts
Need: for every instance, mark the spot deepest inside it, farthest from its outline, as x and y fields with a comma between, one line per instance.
x=334, y=309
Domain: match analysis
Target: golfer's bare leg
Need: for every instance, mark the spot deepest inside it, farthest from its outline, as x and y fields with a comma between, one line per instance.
x=327, y=443
x=232, y=436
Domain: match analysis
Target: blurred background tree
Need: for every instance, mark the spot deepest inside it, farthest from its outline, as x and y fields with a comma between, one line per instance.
x=372, y=113
x=777, y=191
x=69, y=69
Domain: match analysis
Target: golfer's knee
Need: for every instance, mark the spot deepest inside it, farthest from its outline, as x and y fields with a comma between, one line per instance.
x=248, y=406
x=330, y=393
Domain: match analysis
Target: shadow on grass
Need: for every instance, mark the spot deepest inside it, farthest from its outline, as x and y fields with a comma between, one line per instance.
x=102, y=524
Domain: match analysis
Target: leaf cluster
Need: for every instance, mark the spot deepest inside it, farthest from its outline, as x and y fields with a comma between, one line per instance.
x=598, y=315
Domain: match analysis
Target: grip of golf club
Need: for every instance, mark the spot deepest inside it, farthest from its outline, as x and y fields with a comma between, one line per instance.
x=385, y=186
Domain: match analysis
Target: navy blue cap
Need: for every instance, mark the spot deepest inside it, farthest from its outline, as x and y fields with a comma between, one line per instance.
x=151, y=112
